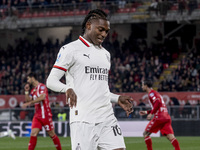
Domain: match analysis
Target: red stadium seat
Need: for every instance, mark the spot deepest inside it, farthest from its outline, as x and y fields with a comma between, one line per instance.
x=52, y=13
x=174, y=7
x=133, y=10
x=47, y=14
x=58, y=13
x=124, y=10
x=35, y=14
x=41, y=14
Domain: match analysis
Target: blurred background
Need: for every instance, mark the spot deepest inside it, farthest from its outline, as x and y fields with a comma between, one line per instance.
x=158, y=39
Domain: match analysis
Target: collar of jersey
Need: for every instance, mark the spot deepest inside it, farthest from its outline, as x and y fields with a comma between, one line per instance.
x=88, y=44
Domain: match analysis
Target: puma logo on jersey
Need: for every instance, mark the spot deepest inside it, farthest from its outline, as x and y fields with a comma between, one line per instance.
x=88, y=56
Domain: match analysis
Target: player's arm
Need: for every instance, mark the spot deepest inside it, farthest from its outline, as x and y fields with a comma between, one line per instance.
x=53, y=83
x=37, y=100
x=27, y=96
x=156, y=106
x=123, y=101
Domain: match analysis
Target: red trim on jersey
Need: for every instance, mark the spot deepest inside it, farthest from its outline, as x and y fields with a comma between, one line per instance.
x=84, y=41
x=61, y=68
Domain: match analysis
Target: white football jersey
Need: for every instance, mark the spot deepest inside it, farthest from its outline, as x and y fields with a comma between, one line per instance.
x=89, y=67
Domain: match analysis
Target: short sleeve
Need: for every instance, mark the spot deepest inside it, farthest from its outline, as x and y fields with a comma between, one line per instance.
x=42, y=89
x=64, y=58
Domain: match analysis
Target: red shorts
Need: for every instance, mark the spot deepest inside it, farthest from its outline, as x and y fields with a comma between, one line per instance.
x=39, y=122
x=164, y=125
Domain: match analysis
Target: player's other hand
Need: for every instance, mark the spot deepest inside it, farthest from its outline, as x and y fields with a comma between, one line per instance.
x=27, y=87
x=126, y=103
x=149, y=116
x=142, y=113
x=26, y=104
x=71, y=98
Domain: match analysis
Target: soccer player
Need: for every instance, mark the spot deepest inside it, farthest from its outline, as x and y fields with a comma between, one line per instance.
x=92, y=121
x=161, y=120
x=8, y=133
x=43, y=116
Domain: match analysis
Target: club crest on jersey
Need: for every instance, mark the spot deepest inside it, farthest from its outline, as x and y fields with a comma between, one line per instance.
x=152, y=94
x=42, y=87
x=58, y=58
x=76, y=112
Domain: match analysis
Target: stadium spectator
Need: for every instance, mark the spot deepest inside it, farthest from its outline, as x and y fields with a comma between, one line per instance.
x=181, y=6
x=187, y=110
x=163, y=7
x=92, y=110
x=23, y=115
x=159, y=36
x=42, y=117
x=192, y=5
x=17, y=111
x=141, y=103
x=56, y=111
x=62, y=115
x=175, y=112
x=153, y=7
x=161, y=121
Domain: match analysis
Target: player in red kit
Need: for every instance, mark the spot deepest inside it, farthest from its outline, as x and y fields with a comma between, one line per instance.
x=43, y=116
x=161, y=120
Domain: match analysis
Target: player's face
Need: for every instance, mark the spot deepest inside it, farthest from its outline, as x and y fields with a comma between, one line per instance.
x=29, y=80
x=97, y=31
x=144, y=87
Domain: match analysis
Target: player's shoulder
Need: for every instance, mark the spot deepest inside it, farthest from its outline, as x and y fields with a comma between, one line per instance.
x=42, y=86
x=106, y=51
x=69, y=46
x=152, y=93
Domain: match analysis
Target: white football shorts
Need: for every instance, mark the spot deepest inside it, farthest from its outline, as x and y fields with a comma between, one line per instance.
x=102, y=136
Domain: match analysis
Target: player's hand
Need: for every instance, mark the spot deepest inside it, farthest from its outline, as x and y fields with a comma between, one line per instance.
x=142, y=113
x=149, y=116
x=126, y=104
x=26, y=104
x=27, y=87
x=71, y=98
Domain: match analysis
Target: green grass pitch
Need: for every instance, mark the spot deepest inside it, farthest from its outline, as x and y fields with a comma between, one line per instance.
x=132, y=143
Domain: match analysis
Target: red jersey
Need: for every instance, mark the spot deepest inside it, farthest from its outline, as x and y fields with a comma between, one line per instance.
x=158, y=106
x=42, y=109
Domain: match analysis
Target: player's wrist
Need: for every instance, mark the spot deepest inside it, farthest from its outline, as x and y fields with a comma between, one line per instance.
x=114, y=98
x=26, y=92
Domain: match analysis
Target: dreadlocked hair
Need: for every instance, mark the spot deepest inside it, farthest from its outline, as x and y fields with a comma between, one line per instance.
x=94, y=14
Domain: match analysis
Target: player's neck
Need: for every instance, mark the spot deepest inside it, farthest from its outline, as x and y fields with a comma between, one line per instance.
x=87, y=38
x=148, y=90
x=35, y=84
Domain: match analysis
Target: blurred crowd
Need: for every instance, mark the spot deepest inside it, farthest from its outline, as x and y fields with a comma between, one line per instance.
x=18, y=7
x=160, y=7
x=132, y=61
x=185, y=77
x=61, y=4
